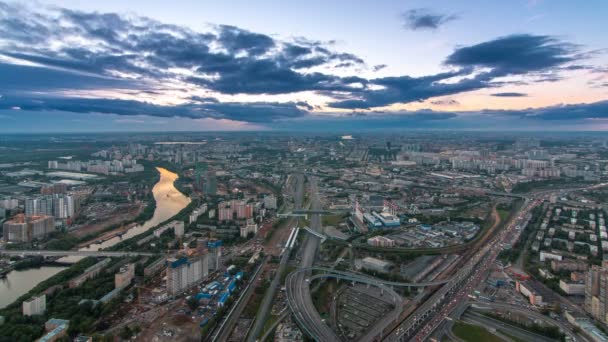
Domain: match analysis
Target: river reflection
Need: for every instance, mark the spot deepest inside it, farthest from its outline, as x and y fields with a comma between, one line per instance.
x=169, y=202
x=18, y=283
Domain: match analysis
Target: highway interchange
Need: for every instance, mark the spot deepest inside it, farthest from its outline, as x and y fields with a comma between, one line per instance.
x=449, y=300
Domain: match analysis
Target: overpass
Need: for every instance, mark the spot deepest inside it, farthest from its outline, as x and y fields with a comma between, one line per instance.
x=304, y=213
x=362, y=278
x=291, y=214
x=306, y=314
x=317, y=234
x=50, y=253
x=319, y=212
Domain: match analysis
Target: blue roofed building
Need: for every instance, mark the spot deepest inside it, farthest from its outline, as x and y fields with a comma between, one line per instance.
x=56, y=329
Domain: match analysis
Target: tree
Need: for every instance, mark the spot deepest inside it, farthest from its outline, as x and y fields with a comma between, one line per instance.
x=192, y=303
x=126, y=333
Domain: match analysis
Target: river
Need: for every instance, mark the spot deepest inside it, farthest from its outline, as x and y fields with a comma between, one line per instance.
x=169, y=202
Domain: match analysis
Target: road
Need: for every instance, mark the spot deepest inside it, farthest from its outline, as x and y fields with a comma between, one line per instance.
x=486, y=256
x=422, y=322
x=530, y=313
x=266, y=305
x=49, y=253
x=476, y=318
x=297, y=284
x=363, y=278
x=432, y=313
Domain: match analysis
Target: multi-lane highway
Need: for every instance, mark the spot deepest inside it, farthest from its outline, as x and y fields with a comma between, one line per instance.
x=298, y=286
x=297, y=306
x=492, y=306
x=422, y=322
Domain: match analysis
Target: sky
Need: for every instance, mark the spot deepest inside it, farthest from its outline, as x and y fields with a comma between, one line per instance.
x=186, y=65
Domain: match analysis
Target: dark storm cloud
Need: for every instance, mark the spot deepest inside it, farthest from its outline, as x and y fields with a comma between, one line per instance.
x=515, y=54
x=257, y=112
x=145, y=48
x=26, y=79
x=583, y=111
x=509, y=94
x=425, y=19
x=480, y=65
x=236, y=40
x=76, y=51
x=409, y=89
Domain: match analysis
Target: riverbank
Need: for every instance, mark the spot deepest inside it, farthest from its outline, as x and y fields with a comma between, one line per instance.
x=168, y=203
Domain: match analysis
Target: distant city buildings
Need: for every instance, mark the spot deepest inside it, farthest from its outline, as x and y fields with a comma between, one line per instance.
x=124, y=276
x=215, y=254
x=227, y=211
x=34, y=306
x=184, y=272
x=56, y=330
x=9, y=203
x=270, y=202
x=250, y=228
x=177, y=226
x=210, y=183
x=89, y=273
x=23, y=228
x=60, y=206
x=596, y=293
x=380, y=241
x=105, y=167
x=197, y=212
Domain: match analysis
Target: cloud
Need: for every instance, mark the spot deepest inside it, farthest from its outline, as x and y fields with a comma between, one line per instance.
x=583, y=111
x=515, y=54
x=379, y=67
x=509, y=94
x=408, y=89
x=257, y=112
x=50, y=54
x=107, y=44
x=25, y=78
x=477, y=67
x=425, y=19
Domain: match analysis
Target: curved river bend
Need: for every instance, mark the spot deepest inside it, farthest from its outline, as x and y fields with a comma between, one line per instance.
x=169, y=202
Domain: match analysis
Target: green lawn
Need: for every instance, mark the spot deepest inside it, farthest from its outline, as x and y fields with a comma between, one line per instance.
x=332, y=220
x=504, y=214
x=473, y=333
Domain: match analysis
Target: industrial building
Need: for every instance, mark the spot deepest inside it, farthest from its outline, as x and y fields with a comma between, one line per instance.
x=377, y=265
